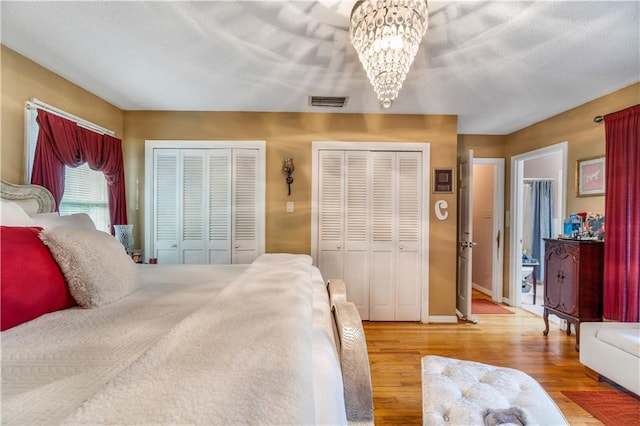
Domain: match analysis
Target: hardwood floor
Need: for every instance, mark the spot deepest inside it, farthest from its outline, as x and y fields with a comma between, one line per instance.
x=515, y=341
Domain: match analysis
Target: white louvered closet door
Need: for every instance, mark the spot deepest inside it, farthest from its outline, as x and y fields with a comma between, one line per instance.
x=408, y=262
x=344, y=222
x=192, y=223
x=396, y=236
x=331, y=214
x=166, y=205
x=245, y=223
x=383, y=237
x=206, y=206
x=357, y=206
x=219, y=206
x=370, y=227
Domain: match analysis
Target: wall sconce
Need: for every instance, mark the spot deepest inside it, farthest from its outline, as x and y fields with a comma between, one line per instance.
x=287, y=169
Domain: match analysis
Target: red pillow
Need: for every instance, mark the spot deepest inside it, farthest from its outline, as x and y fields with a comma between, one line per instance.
x=31, y=281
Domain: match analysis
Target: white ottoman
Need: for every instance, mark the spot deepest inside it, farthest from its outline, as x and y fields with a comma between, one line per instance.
x=456, y=392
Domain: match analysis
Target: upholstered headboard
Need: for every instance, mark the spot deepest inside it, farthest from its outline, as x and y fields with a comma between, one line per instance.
x=32, y=198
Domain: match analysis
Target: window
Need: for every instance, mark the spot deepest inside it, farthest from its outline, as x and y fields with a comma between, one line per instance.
x=85, y=191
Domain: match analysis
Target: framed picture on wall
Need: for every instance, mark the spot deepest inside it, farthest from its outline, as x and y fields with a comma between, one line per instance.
x=442, y=181
x=590, y=178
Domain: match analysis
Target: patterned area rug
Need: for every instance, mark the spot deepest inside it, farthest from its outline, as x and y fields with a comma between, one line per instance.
x=613, y=408
x=484, y=306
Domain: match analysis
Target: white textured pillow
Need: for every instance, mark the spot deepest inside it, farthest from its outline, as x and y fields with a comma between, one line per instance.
x=97, y=267
x=52, y=220
x=11, y=214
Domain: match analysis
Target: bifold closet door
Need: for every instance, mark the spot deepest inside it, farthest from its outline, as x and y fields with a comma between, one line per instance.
x=343, y=226
x=408, y=273
x=369, y=229
x=179, y=196
x=219, y=206
x=396, y=236
x=205, y=206
x=192, y=247
x=357, y=205
x=244, y=209
x=165, y=205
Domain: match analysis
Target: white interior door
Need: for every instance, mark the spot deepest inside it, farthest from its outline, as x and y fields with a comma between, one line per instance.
x=465, y=235
x=396, y=236
x=409, y=236
x=219, y=206
x=382, y=299
x=245, y=214
x=331, y=215
x=165, y=206
x=191, y=219
x=357, y=207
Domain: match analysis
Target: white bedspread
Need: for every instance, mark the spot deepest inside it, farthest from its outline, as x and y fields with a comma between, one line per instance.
x=210, y=350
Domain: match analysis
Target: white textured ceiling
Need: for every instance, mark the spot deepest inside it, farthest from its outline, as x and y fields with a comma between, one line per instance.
x=499, y=66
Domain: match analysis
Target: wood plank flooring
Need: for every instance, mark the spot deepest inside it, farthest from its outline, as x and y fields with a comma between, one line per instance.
x=515, y=341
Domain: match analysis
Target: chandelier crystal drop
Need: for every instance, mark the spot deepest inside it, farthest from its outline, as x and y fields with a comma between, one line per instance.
x=386, y=34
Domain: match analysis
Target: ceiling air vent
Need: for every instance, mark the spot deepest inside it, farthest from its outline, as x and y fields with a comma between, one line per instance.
x=328, y=101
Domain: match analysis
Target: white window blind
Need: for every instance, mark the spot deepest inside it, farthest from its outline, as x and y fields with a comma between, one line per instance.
x=85, y=191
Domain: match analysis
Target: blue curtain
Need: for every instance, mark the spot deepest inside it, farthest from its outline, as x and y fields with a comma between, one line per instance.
x=542, y=208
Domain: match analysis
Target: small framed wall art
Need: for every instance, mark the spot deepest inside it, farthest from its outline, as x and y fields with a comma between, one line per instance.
x=442, y=181
x=590, y=177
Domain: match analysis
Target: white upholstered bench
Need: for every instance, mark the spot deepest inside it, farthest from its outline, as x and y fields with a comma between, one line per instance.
x=456, y=392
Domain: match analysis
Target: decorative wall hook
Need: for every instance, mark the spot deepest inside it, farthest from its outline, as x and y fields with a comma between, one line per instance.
x=287, y=170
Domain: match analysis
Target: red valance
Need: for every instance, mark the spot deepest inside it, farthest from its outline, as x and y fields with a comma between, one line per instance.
x=61, y=143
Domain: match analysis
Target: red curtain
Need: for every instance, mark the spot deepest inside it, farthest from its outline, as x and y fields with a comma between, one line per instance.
x=622, y=215
x=61, y=143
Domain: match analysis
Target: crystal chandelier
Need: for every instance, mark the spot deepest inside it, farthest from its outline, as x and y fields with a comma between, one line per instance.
x=386, y=34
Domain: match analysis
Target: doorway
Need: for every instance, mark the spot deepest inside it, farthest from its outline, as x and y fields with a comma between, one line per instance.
x=548, y=165
x=488, y=226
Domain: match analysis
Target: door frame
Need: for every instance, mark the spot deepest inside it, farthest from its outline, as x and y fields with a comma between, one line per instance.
x=498, y=226
x=424, y=148
x=517, y=211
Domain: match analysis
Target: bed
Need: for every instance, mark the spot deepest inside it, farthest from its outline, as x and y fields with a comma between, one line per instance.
x=118, y=343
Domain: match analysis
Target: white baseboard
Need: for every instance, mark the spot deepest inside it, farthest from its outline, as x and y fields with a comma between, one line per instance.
x=481, y=289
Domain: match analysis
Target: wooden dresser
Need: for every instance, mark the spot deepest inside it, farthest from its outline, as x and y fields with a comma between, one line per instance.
x=573, y=278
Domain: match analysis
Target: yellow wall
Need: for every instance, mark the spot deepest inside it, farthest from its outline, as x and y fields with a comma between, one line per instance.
x=484, y=146
x=585, y=139
x=575, y=126
x=291, y=135
x=23, y=79
x=286, y=134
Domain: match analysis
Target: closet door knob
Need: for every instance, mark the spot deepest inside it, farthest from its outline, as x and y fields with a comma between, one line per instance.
x=338, y=247
x=237, y=246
